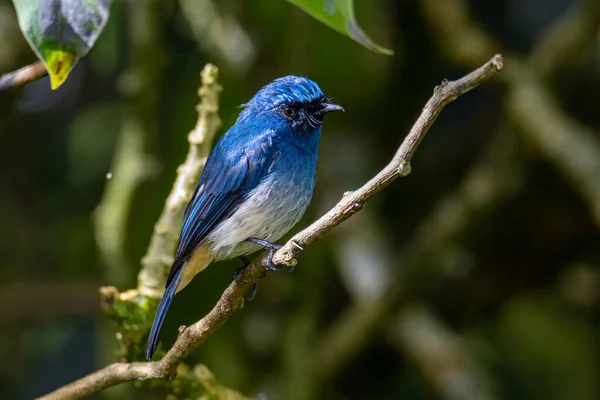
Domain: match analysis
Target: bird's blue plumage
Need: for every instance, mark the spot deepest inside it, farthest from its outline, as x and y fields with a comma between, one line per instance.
x=232, y=170
x=161, y=313
x=286, y=90
x=257, y=182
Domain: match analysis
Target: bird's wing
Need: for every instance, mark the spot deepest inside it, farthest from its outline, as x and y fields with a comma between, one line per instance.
x=231, y=172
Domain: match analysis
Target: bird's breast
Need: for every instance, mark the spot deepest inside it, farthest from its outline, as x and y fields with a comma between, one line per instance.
x=268, y=212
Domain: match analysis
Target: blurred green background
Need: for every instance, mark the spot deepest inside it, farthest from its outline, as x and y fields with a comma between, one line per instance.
x=477, y=277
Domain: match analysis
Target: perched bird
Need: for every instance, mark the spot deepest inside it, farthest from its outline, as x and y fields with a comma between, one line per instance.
x=257, y=183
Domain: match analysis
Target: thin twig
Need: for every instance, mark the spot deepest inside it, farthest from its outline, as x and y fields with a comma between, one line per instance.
x=22, y=76
x=233, y=298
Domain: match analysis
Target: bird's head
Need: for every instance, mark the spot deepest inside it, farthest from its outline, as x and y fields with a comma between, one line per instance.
x=293, y=101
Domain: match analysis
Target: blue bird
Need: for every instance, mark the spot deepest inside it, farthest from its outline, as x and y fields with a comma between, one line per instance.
x=256, y=185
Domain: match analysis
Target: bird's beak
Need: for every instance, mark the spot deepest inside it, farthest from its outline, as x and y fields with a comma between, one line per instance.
x=329, y=107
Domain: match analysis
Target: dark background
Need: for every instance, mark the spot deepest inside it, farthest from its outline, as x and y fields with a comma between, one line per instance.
x=491, y=246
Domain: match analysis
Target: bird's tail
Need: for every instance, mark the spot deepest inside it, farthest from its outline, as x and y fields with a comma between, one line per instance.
x=161, y=312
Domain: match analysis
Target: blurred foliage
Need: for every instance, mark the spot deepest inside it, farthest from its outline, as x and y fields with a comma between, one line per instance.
x=516, y=285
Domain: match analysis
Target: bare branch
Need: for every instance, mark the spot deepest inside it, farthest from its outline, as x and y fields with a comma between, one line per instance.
x=22, y=76
x=232, y=298
x=102, y=379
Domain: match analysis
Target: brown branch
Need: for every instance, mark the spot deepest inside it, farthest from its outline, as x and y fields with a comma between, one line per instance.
x=101, y=379
x=233, y=298
x=22, y=76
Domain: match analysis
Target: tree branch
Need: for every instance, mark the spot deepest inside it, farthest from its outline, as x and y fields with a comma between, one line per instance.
x=232, y=298
x=22, y=76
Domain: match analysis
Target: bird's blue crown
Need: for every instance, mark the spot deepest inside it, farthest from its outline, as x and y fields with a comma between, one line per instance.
x=289, y=89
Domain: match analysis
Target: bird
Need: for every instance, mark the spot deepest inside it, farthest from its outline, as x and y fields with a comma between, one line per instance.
x=257, y=183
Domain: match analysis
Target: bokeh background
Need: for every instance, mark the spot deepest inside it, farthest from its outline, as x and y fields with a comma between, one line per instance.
x=476, y=277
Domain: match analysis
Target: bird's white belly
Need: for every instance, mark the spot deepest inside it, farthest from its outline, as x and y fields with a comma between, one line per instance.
x=268, y=213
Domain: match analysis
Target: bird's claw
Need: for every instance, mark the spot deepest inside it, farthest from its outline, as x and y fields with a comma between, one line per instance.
x=253, y=291
x=265, y=243
x=270, y=265
x=272, y=247
x=236, y=274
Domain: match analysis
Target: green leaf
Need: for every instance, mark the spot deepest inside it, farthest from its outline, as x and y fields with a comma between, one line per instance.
x=339, y=15
x=60, y=32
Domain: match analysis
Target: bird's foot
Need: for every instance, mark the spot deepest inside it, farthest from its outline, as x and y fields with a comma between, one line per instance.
x=271, y=247
x=236, y=274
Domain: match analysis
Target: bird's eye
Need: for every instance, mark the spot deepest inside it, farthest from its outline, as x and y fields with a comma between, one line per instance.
x=289, y=112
